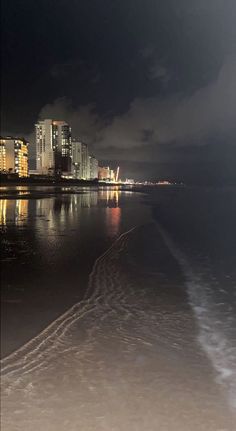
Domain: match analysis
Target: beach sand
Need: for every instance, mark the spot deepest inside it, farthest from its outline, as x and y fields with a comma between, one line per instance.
x=127, y=358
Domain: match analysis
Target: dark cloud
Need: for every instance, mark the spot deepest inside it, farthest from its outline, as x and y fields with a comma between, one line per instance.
x=137, y=78
x=85, y=121
x=178, y=117
x=159, y=72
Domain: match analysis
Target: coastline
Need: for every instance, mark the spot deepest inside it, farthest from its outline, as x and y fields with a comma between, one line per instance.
x=40, y=190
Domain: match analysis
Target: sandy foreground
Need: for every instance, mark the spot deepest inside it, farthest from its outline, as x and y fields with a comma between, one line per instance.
x=126, y=358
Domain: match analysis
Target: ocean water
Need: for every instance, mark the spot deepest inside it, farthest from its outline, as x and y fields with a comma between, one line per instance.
x=198, y=226
x=151, y=345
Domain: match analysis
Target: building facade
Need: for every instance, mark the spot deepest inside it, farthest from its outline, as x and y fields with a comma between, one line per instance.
x=85, y=167
x=45, y=162
x=77, y=159
x=53, y=147
x=61, y=142
x=80, y=160
x=93, y=168
x=14, y=156
x=2, y=155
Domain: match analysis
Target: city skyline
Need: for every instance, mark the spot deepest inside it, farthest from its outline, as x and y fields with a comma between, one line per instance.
x=58, y=153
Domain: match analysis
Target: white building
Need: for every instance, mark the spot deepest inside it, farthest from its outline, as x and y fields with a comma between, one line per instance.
x=80, y=160
x=85, y=171
x=53, y=146
x=77, y=159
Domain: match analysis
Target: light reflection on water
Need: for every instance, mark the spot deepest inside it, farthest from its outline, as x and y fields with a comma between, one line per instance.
x=51, y=240
x=65, y=207
x=113, y=216
x=13, y=211
x=65, y=212
x=61, y=224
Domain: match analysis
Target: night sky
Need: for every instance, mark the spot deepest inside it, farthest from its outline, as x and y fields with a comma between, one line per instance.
x=150, y=84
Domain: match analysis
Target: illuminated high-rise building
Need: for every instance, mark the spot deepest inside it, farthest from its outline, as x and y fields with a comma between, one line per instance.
x=93, y=167
x=53, y=147
x=80, y=160
x=85, y=167
x=77, y=159
x=61, y=139
x=45, y=162
x=14, y=156
x=2, y=155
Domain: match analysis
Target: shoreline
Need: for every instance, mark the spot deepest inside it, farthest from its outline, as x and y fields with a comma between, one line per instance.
x=136, y=364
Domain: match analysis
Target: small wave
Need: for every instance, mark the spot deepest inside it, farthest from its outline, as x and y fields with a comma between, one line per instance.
x=212, y=337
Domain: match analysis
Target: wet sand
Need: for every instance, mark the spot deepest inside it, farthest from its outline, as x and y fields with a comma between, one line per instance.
x=126, y=358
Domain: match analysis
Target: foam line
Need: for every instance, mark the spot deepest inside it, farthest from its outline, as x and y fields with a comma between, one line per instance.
x=213, y=340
